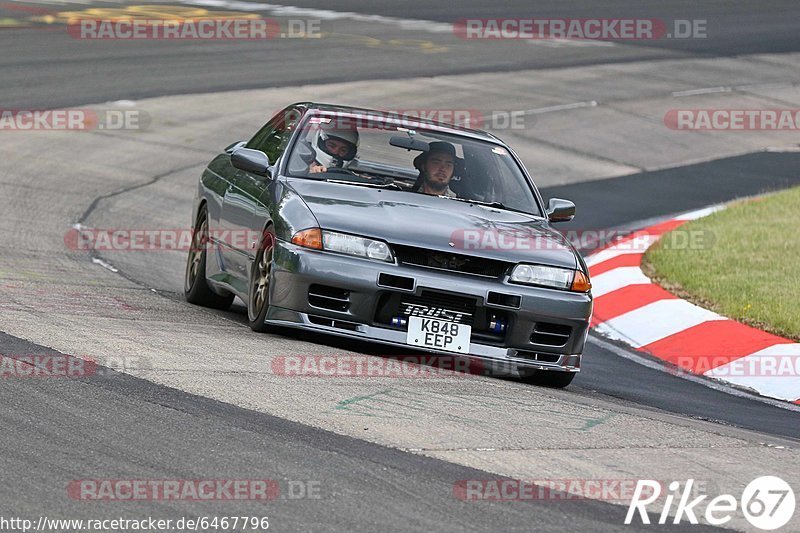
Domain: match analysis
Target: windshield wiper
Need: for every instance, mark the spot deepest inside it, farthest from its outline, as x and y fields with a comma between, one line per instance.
x=497, y=205
x=393, y=186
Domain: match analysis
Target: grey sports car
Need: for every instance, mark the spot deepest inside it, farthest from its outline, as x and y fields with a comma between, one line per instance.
x=406, y=232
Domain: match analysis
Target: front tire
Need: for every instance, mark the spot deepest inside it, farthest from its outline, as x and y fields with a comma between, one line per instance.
x=195, y=286
x=260, y=278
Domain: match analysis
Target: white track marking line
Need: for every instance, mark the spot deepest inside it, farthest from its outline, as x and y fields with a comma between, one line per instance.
x=429, y=26
x=542, y=110
x=103, y=264
x=706, y=90
x=700, y=213
x=743, y=88
x=61, y=2
x=561, y=43
x=783, y=149
x=561, y=107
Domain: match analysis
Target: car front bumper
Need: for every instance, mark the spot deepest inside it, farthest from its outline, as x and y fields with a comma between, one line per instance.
x=296, y=270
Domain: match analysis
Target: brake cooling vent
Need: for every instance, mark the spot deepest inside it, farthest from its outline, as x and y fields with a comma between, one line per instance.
x=550, y=334
x=330, y=298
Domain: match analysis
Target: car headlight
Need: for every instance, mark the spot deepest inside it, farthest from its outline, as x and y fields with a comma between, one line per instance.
x=343, y=243
x=554, y=277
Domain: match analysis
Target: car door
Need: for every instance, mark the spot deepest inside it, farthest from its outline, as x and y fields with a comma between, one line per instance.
x=242, y=215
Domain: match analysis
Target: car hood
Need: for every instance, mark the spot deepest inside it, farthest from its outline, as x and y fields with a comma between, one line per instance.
x=434, y=223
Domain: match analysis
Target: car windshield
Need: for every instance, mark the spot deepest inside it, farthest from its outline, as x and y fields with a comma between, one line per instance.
x=412, y=157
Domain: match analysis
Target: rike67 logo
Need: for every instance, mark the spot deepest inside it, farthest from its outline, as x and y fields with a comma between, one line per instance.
x=767, y=502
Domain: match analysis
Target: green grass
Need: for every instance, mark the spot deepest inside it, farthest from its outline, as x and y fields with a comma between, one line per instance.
x=744, y=263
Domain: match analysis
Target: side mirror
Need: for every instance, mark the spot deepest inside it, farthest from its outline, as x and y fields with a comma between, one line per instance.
x=559, y=210
x=254, y=161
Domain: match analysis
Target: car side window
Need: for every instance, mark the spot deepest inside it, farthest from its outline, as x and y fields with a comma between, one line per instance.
x=273, y=138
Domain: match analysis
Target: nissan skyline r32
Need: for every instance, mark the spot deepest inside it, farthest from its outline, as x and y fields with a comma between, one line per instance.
x=410, y=233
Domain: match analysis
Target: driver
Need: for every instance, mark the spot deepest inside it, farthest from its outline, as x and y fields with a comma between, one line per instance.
x=436, y=168
x=334, y=146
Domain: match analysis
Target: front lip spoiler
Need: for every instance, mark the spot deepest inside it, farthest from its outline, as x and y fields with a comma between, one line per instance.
x=491, y=354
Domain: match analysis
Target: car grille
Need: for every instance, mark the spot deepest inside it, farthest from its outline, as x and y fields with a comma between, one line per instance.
x=466, y=264
x=461, y=309
x=444, y=306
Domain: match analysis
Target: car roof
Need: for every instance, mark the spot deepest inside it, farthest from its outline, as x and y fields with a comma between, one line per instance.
x=363, y=112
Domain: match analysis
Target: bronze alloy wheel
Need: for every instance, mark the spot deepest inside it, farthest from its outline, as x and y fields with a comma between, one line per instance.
x=258, y=301
x=195, y=286
x=199, y=240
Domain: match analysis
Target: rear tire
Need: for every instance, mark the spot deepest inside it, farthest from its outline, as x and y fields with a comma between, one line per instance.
x=547, y=378
x=195, y=287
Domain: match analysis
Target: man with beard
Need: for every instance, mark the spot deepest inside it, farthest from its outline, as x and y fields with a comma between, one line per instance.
x=436, y=168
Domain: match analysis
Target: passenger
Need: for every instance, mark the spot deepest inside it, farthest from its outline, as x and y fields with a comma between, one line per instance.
x=333, y=147
x=436, y=168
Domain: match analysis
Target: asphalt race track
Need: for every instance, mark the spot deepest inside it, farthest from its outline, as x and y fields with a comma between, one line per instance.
x=192, y=395
x=109, y=70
